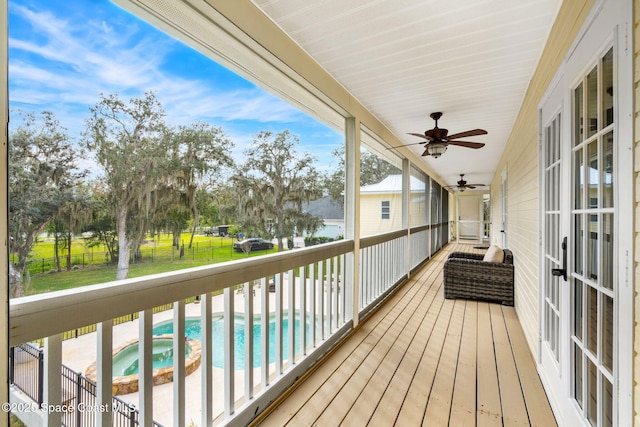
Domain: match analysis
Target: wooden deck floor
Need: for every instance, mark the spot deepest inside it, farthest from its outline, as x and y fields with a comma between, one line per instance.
x=424, y=360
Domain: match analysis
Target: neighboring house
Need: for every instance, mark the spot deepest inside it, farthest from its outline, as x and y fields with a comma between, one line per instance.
x=380, y=205
x=331, y=212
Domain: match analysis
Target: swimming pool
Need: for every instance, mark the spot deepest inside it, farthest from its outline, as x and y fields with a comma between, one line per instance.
x=192, y=331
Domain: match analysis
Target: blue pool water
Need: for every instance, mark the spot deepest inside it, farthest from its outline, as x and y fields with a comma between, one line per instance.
x=192, y=331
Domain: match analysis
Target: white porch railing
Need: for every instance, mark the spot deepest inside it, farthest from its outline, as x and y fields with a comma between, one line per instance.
x=299, y=302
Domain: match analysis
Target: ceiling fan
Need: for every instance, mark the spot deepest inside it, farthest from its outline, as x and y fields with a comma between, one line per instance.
x=437, y=140
x=462, y=184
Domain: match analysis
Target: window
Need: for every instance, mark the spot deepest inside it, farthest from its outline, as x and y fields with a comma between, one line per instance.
x=386, y=209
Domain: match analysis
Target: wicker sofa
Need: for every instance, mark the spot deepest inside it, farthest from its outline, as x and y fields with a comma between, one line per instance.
x=466, y=275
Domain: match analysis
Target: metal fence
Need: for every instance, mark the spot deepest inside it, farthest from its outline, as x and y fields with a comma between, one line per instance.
x=26, y=373
x=26, y=370
x=145, y=254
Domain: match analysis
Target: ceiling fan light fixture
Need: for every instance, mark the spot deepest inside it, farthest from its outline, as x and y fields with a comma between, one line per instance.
x=436, y=149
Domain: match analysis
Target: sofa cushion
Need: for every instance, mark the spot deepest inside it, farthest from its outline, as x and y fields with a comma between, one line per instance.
x=494, y=254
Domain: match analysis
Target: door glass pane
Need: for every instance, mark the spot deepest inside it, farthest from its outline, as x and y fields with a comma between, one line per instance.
x=592, y=320
x=607, y=251
x=592, y=393
x=578, y=246
x=578, y=180
x=577, y=374
x=592, y=175
x=578, y=117
x=607, y=403
x=577, y=309
x=592, y=247
x=607, y=171
x=607, y=333
x=592, y=102
x=548, y=146
x=607, y=88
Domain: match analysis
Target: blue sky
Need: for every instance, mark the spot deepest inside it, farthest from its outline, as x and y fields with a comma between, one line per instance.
x=63, y=54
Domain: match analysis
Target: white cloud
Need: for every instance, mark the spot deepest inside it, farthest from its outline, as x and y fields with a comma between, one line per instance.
x=78, y=60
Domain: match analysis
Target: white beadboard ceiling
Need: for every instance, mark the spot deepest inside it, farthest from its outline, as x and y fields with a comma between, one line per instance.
x=404, y=59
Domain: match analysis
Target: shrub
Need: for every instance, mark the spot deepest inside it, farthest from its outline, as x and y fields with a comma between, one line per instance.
x=316, y=240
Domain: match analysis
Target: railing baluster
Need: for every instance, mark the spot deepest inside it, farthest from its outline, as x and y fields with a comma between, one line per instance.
x=145, y=367
x=53, y=379
x=369, y=278
x=303, y=310
x=179, y=347
x=229, y=356
x=104, y=374
x=343, y=288
x=279, y=338
x=264, y=325
x=329, y=285
x=206, y=364
x=248, y=340
x=336, y=292
x=292, y=318
x=312, y=305
x=321, y=302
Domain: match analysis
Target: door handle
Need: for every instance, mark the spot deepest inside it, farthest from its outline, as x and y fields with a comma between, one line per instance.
x=562, y=271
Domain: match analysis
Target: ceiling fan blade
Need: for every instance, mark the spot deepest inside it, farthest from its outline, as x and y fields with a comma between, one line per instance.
x=472, y=132
x=467, y=144
x=422, y=135
x=476, y=185
x=405, y=145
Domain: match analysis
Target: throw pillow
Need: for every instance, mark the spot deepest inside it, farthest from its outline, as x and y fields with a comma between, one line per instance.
x=494, y=254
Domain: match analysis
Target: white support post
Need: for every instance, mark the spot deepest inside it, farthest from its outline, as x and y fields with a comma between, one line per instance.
x=104, y=368
x=352, y=213
x=406, y=207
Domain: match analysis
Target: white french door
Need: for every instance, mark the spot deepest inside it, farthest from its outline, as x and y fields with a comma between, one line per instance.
x=554, y=226
x=585, y=307
x=593, y=213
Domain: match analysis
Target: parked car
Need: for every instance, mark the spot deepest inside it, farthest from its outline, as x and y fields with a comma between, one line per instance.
x=252, y=244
